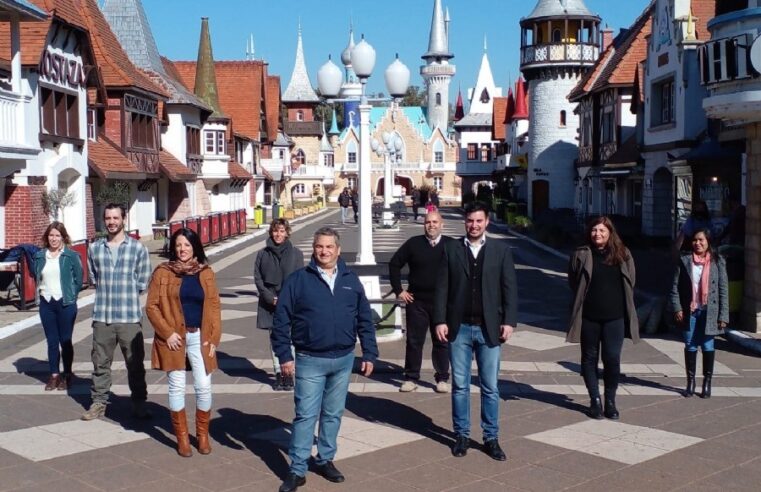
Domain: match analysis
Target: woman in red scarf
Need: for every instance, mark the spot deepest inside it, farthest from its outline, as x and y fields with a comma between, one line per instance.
x=700, y=300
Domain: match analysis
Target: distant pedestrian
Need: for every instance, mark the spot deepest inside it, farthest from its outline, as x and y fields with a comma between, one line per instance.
x=434, y=199
x=321, y=311
x=184, y=310
x=476, y=310
x=700, y=218
x=700, y=285
x=273, y=264
x=120, y=268
x=355, y=205
x=601, y=275
x=58, y=272
x=344, y=201
x=416, y=201
x=422, y=254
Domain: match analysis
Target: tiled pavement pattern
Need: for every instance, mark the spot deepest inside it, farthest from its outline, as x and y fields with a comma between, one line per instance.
x=391, y=441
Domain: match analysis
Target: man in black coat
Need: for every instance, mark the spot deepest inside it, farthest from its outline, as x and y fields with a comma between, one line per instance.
x=422, y=255
x=416, y=201
x=476, y=310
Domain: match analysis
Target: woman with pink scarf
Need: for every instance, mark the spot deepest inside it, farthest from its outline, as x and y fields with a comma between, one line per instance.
x=700, y=300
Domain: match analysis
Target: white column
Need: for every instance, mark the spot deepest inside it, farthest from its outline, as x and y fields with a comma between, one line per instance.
x=15, y=54
x=388, y=190
x=365, y=254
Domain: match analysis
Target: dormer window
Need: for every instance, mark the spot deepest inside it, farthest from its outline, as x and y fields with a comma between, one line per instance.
x=485, y=98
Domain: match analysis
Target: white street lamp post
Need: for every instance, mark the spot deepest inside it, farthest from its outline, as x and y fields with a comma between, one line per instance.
x=329, y=80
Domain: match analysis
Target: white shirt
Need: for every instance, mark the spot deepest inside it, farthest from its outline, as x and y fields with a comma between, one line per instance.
x=433, y=242
x=475, y=248
x=697, y=272
x=50, y=285
x=330, y=279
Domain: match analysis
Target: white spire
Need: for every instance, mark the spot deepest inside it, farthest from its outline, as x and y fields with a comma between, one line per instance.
x=438, y=42
x=346, y=54
x=300, y=88
x=482, y=97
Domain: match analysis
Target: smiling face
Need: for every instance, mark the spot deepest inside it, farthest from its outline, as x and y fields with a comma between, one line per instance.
x=183, y=249
x=476, y=224
x=55, y=240
x=699, y=243
x=114, y=221
x=326, y=252
x=279, y=234
x=600, y=236
x=432, y=225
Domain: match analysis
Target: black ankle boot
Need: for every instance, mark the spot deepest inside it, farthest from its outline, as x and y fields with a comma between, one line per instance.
x=708, y=360
x=611, y=411
x=595, y=408
x=690, y=362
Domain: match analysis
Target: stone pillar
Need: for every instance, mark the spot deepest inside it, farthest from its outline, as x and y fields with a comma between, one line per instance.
x=752, y=296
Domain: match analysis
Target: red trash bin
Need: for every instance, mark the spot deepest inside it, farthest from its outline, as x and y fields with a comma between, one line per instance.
x=192, y=223
x=80, y=248
x=242, y=221
x=224, y=225
x=234, y=230
x=214, y=227
x=205, y=224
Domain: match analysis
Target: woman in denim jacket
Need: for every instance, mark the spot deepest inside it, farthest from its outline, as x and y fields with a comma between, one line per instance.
x=58, y=272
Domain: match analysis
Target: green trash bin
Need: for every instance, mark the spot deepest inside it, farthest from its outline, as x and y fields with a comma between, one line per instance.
x=277, y=211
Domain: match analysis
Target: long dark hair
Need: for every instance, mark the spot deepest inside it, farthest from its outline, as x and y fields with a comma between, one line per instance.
x=615, y=252
x=194, y=241
x=707, y=233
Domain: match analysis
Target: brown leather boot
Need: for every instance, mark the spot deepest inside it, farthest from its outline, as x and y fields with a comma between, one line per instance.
x=180, y=424
x=202, y=431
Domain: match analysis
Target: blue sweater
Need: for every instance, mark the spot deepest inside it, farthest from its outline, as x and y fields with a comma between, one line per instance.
x=319, y=322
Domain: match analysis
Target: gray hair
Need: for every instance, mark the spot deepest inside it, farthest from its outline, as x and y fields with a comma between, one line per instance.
x=327, y=231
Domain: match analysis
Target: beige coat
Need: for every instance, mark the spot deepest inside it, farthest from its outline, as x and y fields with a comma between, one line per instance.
x=164, y=310
x=579, y=275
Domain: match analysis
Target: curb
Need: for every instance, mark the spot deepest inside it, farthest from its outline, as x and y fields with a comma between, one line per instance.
x=89, y=299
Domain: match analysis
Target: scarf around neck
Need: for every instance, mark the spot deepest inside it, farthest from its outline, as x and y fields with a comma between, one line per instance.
x=278, y=249
x=190, y=267
x=700, y=290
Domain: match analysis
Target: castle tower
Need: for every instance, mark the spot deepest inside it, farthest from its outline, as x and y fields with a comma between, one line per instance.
x=560, y=41
x=437, y=72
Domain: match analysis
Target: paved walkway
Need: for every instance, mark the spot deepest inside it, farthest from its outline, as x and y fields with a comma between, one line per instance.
x=391, y=441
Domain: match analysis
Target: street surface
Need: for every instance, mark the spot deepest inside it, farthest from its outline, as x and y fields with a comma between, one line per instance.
x=391, y=441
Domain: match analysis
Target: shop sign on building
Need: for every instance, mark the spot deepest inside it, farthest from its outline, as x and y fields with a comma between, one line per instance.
x=61, y=70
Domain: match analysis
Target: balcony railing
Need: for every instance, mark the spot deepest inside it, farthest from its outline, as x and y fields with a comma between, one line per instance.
x=559, y=54
x=10, y=108
x=313, y=171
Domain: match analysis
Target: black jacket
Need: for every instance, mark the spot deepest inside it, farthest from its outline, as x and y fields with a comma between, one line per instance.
x=499, y=288
x=269, y=275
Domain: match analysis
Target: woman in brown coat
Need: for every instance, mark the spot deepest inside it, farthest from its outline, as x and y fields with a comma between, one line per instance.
x=183, y=307
x=601, y=275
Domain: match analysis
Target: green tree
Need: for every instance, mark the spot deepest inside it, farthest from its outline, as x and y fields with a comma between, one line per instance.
x=416, y=96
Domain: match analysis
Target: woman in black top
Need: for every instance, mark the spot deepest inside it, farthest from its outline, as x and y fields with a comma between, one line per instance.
x=601, y=275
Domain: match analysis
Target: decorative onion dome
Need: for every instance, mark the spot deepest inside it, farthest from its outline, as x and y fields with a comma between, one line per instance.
x=329, y=79
x=346, y=54
x=397, y=78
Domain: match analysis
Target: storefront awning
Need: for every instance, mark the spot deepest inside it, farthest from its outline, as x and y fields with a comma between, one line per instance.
x=173, y=169
x=108, y=162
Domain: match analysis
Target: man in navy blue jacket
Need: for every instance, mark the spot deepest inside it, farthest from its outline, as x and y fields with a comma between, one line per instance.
x=321, y=311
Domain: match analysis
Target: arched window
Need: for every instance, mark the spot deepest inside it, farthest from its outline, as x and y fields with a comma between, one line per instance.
x=557, y=36
x=438, y=99
x=299, y=157
x=563, y=118
x=299, y=115
x=438, y=153
x=485, y=98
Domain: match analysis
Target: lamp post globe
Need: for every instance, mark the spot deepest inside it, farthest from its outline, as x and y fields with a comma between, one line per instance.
x=397, y=78
x=329, y=79
x=363, y=59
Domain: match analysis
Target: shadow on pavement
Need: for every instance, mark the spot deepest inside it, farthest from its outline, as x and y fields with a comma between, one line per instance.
x=242, y=367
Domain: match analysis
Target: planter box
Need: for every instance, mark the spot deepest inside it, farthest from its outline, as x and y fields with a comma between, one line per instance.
x=288, y=214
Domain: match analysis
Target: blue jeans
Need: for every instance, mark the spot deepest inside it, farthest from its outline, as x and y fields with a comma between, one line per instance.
x=321, y=387
x=470, y=339
x=695, y=336
x=201, y=380
x=58, y=323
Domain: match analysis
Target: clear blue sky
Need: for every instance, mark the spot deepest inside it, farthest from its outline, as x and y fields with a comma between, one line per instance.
x=402, y=27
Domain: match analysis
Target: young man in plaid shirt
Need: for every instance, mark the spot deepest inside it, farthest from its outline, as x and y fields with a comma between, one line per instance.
x=120, y=268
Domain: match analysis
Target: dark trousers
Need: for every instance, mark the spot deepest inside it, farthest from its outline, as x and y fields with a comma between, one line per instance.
x=419, y=317
x=58, y=323
x=105, y=338
x=610, y=336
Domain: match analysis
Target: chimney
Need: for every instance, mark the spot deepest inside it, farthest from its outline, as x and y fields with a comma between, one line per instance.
x=607, y=37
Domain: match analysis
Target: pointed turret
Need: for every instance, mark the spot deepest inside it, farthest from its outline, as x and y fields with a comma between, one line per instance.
x=510, y=109
x=300, y=88
x=521, y=100
x=459, y=111
x=324, y=143
x=438, y=40
x=334, y=124
x=206, y=78
x=485, y=89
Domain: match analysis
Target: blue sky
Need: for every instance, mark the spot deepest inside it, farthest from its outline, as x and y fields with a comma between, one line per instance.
x=402, y=27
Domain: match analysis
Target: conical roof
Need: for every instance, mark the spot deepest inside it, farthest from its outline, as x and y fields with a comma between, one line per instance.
x=206, y=77
x=129, y=23
x=334, y=124
x=438, y=42
x=459, y=112
x=521, y=100
x=300, y=88
x=485, y=90
x=346, y=53
x=560, y=8
x=510, y=108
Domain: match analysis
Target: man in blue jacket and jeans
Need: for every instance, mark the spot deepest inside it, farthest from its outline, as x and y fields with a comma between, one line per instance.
x=321, y=311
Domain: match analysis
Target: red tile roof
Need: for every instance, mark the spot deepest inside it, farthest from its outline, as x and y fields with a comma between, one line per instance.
x=173, y=169
x=236, y=171
x=498, y=121
x=108, y=162
x=510, y=110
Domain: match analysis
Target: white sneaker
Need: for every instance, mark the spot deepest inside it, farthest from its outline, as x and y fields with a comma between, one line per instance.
x=443, y=387
x=408, y=386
